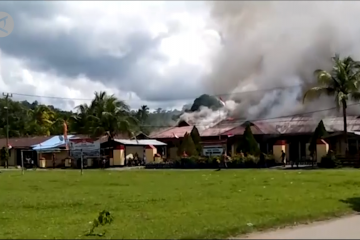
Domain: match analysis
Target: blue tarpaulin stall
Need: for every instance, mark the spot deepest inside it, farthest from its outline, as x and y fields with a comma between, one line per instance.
x=51, y=144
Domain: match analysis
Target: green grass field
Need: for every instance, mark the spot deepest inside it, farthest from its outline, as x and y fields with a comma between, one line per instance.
x=169, y=204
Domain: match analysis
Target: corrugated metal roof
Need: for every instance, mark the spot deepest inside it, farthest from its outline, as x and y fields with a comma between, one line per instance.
x=27, y=142
x=289, y=125
x=170, y=132
x=309, y=124
x=337, y=124
x=54, y=142
x=141, y=142
x=222, y=127
x=240, y=130
x=215, y=131
x=158, y=132
x=24, y=142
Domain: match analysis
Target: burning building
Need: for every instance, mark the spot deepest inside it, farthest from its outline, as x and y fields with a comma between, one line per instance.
x=293, y=132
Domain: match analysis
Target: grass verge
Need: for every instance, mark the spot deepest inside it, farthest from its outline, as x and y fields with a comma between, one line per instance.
x=170, y=204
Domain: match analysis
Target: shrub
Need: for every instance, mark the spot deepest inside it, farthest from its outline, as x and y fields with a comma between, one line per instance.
x=187, y=146
x=195, y=135
x=187, y=161
x=319, y=132
x=330, y=161
x=213, y=161
x=251, y=161
x=4, y=156
x=269, y=157
x=269, y=160
x=237, y=160
x=250, y=145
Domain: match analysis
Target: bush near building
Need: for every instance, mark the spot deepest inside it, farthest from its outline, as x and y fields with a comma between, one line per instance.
x=187, y=146
x=195, y=135
x=237, y=161
x=249, y=144
x=319, y=132
x=330, y=161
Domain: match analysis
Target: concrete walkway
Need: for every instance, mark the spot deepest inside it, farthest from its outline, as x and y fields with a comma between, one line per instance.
x=341, y=228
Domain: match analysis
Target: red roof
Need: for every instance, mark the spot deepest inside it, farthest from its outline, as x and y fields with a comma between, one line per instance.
x=24, y=142
x=288, y=125
x=170, y=132
x=215, y=131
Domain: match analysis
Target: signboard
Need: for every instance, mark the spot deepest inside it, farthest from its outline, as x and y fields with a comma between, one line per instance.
x=217, y=150
x=89, y=148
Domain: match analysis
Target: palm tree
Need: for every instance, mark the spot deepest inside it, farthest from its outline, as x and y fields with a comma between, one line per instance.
x=41, y=119
x=78, y=121
x=106, y=115
x=142, y=114
x=342, y=82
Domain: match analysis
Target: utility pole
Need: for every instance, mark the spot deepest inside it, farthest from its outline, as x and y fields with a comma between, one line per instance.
x=22, y=162
x=7, y=95
x=82, y=161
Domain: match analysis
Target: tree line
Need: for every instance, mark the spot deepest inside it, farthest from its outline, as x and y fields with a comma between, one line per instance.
x=104, y=115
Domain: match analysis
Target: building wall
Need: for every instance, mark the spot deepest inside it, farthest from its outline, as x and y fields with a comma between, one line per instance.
x=118, y=156
x=135, y=149
x=13, y=157
x=322, y=148
x=150, y=152
x=59, y=157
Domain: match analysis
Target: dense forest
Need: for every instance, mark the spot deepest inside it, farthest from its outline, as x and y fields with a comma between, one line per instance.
x=104, y=115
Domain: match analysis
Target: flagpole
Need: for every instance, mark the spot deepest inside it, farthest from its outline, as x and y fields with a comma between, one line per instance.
x=224, y=104
x=40, y=155
x=22, y=162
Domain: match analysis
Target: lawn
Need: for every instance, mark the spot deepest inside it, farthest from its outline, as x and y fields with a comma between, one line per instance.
x=169, y=203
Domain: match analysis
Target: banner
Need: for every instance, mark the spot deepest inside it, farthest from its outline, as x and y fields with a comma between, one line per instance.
x=90, y=148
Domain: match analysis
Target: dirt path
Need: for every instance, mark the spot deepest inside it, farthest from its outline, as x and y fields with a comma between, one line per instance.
x=342, y=228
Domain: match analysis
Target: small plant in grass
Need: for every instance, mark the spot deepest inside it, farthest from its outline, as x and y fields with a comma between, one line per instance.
x=104, y=218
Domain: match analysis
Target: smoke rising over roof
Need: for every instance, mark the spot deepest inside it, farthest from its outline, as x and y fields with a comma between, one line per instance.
x=270, y=44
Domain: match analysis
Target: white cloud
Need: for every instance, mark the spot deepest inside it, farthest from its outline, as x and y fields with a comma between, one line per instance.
x=187, y=48
x=66, y=93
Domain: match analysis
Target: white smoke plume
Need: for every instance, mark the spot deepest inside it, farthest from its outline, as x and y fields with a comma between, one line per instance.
x=278, y=44
x=206, y=117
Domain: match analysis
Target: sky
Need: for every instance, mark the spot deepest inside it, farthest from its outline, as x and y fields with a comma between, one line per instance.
x=152, y=53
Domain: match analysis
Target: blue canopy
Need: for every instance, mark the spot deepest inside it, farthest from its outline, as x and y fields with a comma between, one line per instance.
x=53, y=142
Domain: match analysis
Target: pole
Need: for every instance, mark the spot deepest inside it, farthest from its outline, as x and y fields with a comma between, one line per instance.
x=7, y=95
x=22, y=162
x=82, y=162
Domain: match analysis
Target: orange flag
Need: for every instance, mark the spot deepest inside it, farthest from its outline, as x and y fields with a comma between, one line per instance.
x=65, y=135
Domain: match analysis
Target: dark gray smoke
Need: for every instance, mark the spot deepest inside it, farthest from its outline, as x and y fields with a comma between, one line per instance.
x=270, y=44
